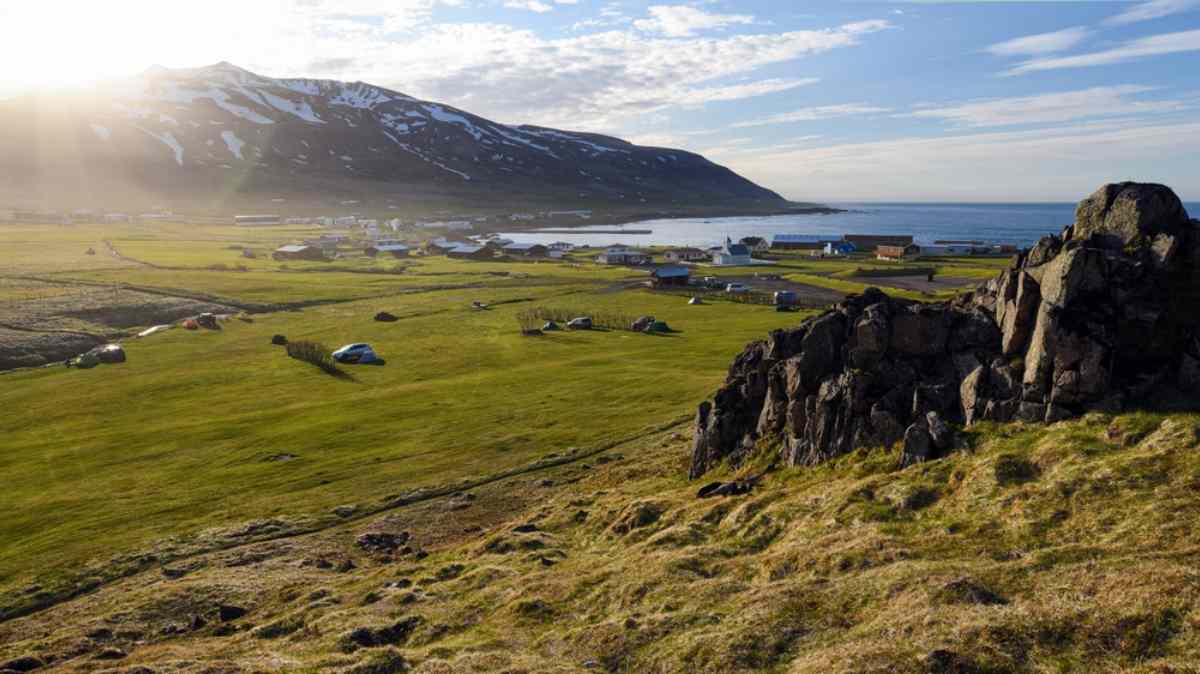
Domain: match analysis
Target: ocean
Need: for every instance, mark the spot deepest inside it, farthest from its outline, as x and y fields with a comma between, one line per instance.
x=1020, y=224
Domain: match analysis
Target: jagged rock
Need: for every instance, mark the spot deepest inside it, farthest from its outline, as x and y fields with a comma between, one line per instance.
x=1076, y=323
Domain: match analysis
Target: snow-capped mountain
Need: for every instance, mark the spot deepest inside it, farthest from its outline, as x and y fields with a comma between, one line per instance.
x=221, y=133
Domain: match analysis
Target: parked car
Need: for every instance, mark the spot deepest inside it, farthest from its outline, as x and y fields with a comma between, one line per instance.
x=712, y=282
x=737, y=288
x=355, y=353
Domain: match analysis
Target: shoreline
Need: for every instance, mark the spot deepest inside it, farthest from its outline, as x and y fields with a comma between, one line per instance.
x=615, y=219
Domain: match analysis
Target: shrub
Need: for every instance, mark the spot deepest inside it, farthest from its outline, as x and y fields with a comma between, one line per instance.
x=314, y=354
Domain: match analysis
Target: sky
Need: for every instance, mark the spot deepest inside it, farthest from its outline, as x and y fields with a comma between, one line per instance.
x=836, y=101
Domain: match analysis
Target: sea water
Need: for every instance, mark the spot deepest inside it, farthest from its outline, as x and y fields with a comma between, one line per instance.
x=1019, y=224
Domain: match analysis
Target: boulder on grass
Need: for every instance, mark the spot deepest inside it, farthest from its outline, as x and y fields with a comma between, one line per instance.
x=385, y=317
x=580, y=323
x=279, y=340
x=109, y=353
x=208, y=321
x=695, y=300
x=642, y=323
x=657, y=326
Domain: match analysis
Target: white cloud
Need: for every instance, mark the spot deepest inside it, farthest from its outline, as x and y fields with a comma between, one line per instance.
x=1152, y=9
x=813, y=114
x=590, y=81
x=1154, y=45
x=1042, y=43
x=685, y=21
x=530, y=5
x=1041, y=165
x=1052, y=108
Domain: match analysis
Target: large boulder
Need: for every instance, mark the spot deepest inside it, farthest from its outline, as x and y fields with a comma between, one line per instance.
x=1102, y=315
x=1120, y=213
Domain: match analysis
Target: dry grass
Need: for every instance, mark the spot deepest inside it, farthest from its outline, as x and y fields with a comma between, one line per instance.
x=1069, y=549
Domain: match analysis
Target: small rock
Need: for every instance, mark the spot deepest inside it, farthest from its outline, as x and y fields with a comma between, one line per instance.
x=345, y=511
x=385, y=317
x=227, y=612
x=525, y=528
x=198, y=622
x=381, y=541
x=279, y=340
x=173, y=574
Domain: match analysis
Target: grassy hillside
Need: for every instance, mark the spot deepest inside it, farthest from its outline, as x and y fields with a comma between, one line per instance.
x=1067, y=549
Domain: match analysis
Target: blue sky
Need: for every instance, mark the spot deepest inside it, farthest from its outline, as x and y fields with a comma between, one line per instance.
x=836, y=100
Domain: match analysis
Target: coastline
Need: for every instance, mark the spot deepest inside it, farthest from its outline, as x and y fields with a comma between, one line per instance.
x=618, y=219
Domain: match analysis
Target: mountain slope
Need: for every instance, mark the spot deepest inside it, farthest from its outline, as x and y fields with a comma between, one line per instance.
x=220, y=133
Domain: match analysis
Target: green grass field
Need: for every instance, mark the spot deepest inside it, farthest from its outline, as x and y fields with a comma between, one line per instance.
x=178, y=440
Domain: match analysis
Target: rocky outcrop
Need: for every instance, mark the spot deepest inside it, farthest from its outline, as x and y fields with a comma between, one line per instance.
x=1103, y=316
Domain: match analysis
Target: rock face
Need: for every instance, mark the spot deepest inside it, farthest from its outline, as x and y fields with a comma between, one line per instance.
x=1104, y=316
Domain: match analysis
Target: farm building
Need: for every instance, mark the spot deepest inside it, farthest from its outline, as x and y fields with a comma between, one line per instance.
x=732, y=254
x=393, y=248
x=873, y=241
x=756, y=244
x=797, y=242
x=470, y=252
x=686, y=255
x=257, y=220
x=670, y=275
x=525, y=250
x=624, y=256
x=298, y=251
x=561, y=246
x=898, y=253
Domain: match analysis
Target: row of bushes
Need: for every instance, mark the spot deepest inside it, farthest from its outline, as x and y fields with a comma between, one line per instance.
x=534, y=318
x=314, y=353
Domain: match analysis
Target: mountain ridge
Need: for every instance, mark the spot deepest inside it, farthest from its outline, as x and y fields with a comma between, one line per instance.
x=220, y=134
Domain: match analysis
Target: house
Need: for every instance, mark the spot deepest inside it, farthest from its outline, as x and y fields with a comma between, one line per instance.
x=686, y=255
x=874, y=241
x=670, y=275
x=393, y=248
x=470, y=252
x=797, y=242
x=561, y=246
x=732, y=254
x=439, y=246
x=897, y=253
x=525, y=250
x=624, y=256
x=838, y=248
x=756, y=244
x=298, y=251
x=449, y=225
x=257, y=220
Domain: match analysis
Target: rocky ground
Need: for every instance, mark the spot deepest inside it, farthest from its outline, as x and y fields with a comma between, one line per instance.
x=49, y=321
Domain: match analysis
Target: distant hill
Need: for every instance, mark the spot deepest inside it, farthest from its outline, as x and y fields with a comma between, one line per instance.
x=221, y=136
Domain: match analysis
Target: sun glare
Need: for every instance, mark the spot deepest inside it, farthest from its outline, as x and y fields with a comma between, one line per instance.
x=64, y=44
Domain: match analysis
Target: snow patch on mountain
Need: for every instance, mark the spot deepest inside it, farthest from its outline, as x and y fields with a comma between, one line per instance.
x=234, y=143
x=302, y=109
x=168, y=139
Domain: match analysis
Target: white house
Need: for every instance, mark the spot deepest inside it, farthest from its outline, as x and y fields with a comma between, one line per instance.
x=732, y=254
